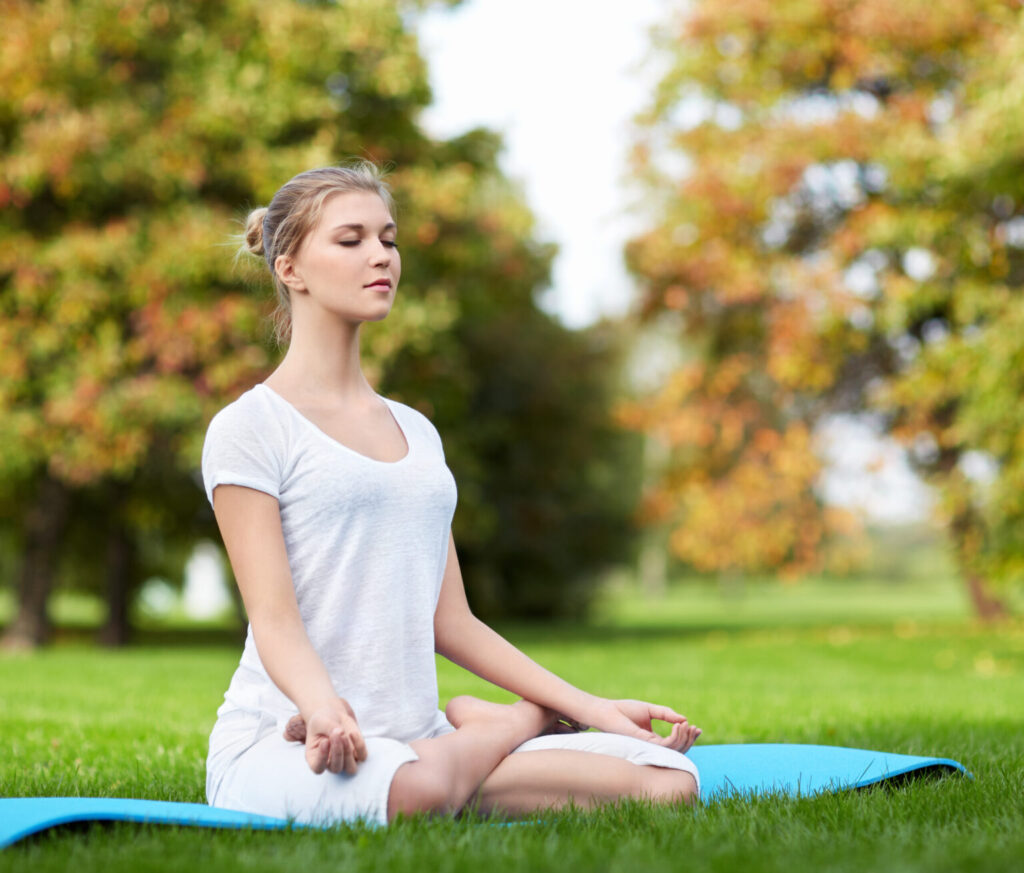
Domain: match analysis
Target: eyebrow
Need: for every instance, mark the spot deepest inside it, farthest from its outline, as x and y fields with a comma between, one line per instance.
x=389, y=226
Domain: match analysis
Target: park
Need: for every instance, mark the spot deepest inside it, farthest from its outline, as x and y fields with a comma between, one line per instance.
x=832, y=236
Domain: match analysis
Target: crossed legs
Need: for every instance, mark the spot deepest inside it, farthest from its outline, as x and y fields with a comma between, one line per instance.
x=473, y=766
x=451, y=767
x=528, y=781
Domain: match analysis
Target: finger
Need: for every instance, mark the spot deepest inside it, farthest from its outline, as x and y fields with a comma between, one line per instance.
x=677, y=737
x=685, y=739
x=670, y=740
x=359, y=744
x=649, y=736
x=694, y=733
x=681, y=736
x=316, y=755
x=350, y=755
x=346, y=754
x=340, y=749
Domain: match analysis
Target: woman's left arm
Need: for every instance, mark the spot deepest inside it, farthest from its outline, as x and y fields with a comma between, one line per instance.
x=462, y=638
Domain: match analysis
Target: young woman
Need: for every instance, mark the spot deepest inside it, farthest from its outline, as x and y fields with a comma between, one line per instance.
x=335, y=506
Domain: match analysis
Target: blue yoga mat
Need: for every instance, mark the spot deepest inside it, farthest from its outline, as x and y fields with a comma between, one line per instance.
x=728, y=770
x=797, y=770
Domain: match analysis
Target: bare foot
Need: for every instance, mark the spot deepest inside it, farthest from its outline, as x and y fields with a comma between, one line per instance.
x=566, y=725
x=522, y=716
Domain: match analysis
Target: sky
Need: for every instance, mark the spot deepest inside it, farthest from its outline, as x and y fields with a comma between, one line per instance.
x=562, y=80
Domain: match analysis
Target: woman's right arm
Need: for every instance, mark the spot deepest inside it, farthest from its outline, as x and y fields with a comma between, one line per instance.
x=250, y=524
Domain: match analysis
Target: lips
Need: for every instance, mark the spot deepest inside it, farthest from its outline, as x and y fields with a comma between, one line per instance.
x=383, y=284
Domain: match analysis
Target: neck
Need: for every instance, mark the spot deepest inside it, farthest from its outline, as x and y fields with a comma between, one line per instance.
x=322, y=362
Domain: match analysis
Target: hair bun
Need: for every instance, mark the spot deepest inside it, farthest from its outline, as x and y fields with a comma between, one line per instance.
x=254, y=231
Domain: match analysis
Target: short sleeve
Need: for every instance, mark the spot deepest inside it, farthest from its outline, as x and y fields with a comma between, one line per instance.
x=243, y=448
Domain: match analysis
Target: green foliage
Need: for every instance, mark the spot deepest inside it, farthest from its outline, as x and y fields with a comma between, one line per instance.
x=848, y=238
x=542, y=439
x=132, y=134
x=132, y=137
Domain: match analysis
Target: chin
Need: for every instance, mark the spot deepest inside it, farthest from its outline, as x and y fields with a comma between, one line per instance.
x=380, y=315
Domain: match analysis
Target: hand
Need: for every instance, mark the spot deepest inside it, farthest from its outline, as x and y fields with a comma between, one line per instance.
x=633, y=718
x=332, y=737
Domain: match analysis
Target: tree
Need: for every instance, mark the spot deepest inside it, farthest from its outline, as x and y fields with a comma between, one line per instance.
x=956, y=397
x=812, y=243
x=132, y=135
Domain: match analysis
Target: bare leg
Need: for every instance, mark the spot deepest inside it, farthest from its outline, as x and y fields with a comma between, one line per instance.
x=474, y=765
x=528, y=781
x=452, y=767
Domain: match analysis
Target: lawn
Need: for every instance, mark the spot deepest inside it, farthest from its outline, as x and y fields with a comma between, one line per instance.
x=839, y=668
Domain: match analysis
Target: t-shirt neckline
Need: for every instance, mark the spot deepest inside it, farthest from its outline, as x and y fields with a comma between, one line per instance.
x=309, y=422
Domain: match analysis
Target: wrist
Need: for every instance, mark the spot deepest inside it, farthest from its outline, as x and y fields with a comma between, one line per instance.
x=329, y=703
x=586, y=710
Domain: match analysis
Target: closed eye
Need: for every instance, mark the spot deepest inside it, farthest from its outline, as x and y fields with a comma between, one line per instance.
x=390, y=243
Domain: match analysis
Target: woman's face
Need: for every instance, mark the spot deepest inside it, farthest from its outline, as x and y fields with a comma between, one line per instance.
x=349, y=264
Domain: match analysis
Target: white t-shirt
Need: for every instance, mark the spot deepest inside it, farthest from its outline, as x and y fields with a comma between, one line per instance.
x=367, y=544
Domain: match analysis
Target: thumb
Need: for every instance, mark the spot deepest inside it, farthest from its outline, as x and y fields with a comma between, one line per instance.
x=648, y=736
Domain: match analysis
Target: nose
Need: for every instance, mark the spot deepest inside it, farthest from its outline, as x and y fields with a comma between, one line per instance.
x=381, y=255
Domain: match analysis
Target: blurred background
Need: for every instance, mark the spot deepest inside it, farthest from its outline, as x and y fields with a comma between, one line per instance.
x=717, y=305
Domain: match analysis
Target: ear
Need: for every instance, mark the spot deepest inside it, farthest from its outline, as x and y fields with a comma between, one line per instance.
x=286, y=271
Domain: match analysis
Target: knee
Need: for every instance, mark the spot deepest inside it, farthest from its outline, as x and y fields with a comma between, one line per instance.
x=667, y=785
x=420, y=788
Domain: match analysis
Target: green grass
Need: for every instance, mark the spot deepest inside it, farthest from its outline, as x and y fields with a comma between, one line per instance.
x=695, y=604
x=911, y=676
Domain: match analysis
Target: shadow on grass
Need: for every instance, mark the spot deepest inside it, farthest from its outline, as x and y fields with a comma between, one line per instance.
x=564, y=632
x=150, y=637
x=521, y=633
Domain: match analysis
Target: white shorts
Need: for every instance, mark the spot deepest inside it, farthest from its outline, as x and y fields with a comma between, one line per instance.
x=252, y=768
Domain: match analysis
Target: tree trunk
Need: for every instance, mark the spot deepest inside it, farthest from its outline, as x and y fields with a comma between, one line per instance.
x=43, y=528
x=986, y=606
x=966, y=534
x=653, y=558
x=653, y=565
x=120, y=572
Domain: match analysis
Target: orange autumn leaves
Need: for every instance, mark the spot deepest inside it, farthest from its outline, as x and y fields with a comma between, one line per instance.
x=738, y=493
x=830, y=200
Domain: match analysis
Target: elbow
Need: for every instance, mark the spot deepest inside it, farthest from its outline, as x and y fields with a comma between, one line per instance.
x=274, y=627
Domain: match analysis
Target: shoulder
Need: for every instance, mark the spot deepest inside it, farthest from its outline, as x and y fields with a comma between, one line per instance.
x=252, y=417
x=252, y=406
x=246, y=443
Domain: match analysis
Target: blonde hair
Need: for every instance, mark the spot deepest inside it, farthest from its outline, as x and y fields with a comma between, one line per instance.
x=295, y=210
